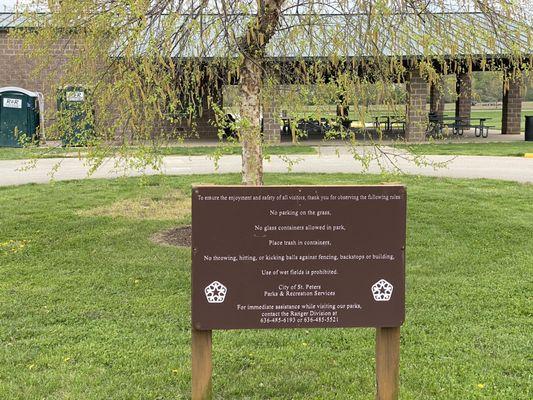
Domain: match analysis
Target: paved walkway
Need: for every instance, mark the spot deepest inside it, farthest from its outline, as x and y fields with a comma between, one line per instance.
x=506, y=168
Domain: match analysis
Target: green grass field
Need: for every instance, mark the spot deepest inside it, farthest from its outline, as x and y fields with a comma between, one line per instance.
x=7, y=153
x=235, y=149
x=12, y=153
x=92, y=309
x=510, y=149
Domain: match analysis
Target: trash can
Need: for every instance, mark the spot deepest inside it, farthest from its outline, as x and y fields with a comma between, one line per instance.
x=75, y=116
x=19, y=116
x=529, y=128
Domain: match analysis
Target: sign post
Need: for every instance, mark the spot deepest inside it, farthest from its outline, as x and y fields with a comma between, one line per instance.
x=202, y=366
x=270, y=257
x=387, y=363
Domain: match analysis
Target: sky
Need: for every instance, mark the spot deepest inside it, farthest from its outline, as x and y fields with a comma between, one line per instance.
x=7, y=5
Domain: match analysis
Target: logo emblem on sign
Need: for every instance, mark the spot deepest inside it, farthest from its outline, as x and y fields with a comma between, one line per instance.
x=382, y=290
x=215, y=292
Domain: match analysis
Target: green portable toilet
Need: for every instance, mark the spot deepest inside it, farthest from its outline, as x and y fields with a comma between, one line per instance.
x=19, y=116
x=75, y=116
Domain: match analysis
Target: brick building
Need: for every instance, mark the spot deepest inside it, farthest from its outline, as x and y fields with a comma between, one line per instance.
x=15, y=70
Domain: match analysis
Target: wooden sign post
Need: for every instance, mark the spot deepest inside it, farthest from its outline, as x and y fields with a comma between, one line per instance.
x=271, y=257
x=387, y=363
x=202, y=365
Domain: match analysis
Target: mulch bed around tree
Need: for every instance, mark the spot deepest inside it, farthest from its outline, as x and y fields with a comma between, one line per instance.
x=179, y=237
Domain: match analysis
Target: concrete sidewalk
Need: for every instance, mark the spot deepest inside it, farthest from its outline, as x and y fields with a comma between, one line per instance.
x=506, y=168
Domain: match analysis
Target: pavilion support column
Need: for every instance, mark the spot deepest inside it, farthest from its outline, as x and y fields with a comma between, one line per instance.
x=416, y=113
x=206, y=123
x=343, y=111
x=512, y=106
x=463, y=104
x=271, y=123
x=436, y=98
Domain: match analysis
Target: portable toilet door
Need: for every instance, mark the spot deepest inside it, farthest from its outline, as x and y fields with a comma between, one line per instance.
x=19, y=116
x=75, y=116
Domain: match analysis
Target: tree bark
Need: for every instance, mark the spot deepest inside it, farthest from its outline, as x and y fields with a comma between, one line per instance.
x=252, y=45
x=250, y=135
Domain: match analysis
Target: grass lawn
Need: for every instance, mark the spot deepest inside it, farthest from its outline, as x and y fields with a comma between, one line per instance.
x=14, y=153
x=90, y=308
x=7, y=153
x=513, y=149
x=236, y=149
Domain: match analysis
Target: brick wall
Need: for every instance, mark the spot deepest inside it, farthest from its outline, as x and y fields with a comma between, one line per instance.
x=463, y=104
x=206, y=127
x=271, y=123
x=416, y=113
x=512, y=106
x=17, y=69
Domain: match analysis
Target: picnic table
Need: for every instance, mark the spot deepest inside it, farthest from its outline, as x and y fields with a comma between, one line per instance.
x=458, y=124
x=286, y=127
x=305, y=126
x=388, y=121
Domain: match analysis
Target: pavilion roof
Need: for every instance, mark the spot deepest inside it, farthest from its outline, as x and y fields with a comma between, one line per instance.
x=433, y=35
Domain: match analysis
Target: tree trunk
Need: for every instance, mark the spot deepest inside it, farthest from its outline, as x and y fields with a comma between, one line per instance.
x=252, y=46
x=250, y=135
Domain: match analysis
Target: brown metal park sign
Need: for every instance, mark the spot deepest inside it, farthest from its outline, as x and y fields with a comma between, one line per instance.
x=298, y=257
